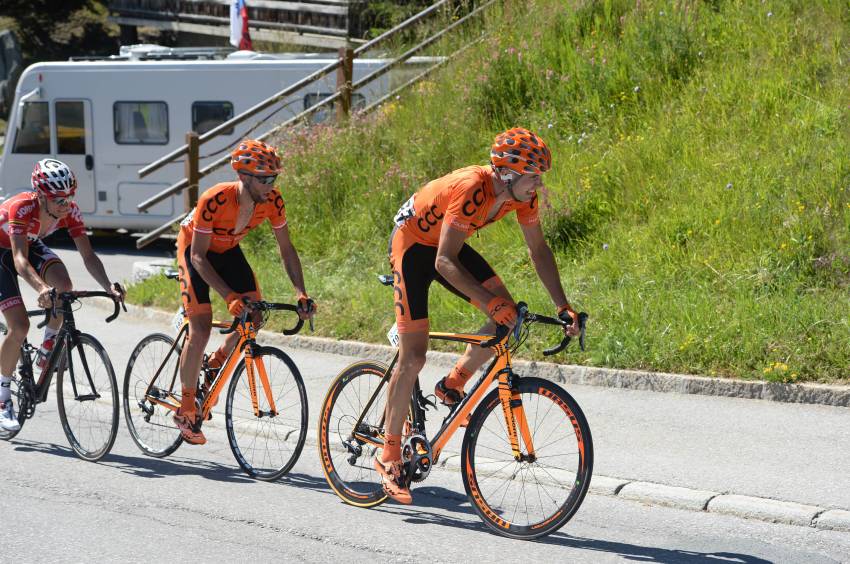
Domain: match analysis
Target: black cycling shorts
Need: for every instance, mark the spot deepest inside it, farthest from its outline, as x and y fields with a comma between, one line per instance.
x=40, y=257
x=414, y=270
x=231, y=265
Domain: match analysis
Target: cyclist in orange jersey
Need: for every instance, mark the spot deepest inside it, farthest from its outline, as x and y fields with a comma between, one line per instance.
x=208, y=255
x=429, y=243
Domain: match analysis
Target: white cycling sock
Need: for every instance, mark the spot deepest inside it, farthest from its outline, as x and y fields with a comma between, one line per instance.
x=5, y=388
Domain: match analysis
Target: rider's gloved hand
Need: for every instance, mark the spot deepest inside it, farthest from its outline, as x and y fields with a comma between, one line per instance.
x=306, y=306
x=235, y=304
x=45, y=297
x=502, y=311
x=117, y=291
x=567, y=313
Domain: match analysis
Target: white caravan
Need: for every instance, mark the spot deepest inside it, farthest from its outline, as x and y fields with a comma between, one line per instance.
x=109, y=118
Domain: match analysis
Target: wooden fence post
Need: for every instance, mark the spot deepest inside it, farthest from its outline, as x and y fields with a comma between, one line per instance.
x=190, y=167
x=344, y=76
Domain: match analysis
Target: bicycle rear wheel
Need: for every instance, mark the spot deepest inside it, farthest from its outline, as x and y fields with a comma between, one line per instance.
x=267, y=445
x=531, y=498
x=87, y=397
x=348, y=463
x=150, y=424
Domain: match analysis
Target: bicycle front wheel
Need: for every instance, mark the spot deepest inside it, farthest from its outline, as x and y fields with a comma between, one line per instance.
x=153, y=376
x=87, y=397
x=266, y=438
x=538, y=494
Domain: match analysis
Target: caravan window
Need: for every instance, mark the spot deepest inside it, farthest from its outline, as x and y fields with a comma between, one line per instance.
x=207, y=115
x=140, y=123
x=70, y=128
x=357, y=101
x=34, y=134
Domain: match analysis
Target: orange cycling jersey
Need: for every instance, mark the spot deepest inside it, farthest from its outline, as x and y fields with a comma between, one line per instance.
x=217, y=212
x=463, y=198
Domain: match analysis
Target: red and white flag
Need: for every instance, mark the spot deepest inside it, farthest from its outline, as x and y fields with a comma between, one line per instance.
x=239, y=36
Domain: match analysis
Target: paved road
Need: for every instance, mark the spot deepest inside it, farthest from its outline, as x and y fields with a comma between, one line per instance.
x=197, y=503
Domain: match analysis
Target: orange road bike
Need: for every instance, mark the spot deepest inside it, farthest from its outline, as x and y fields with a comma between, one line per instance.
x=266, y=407
x=527, y=454
x=86, y=390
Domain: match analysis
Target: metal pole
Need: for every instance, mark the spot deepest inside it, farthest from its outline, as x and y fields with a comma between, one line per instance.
x=190, y=166
x=344, y=75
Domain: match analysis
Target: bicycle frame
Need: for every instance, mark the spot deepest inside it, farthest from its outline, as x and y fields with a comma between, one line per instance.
x=500, y=368
x=247, y=345
x=66, y=340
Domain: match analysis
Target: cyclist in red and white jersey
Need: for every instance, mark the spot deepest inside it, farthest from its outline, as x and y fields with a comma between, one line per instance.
x=25, y=219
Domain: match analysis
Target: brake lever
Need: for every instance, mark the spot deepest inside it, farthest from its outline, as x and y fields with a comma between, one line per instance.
x=582, y=323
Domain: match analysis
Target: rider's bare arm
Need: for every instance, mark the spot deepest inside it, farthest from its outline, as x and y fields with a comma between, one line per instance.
x=20, y=249
x=544, y=262
x=289, y=255
x=450, y=268
x=198, y=255
x=92, y=262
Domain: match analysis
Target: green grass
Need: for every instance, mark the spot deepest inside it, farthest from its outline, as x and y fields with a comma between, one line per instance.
x=699, y=201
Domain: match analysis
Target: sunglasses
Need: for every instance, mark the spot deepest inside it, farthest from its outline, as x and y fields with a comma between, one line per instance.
x=264, y=179
x=62, y=201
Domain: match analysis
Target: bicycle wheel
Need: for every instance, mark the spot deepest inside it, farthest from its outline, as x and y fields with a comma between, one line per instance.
x=268, y=445
x=348, y=463
x=151, y=425
x=22, y=403
x=87, y=397
x=535, y=497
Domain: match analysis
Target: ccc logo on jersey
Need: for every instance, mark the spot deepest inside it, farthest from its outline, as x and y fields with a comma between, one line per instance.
x=212, y=206
x=430, y=219
x=471, y=205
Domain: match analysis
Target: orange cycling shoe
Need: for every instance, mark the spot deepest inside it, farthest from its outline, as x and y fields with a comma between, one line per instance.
x=392, y=480
x=191, y=432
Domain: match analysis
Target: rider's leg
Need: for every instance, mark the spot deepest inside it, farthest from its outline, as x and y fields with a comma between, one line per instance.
x=18, y=324
x=411, y=359
x=234, y=269
x=220, y=355
x=10, y=350
x=200, y=325
x=474, y=357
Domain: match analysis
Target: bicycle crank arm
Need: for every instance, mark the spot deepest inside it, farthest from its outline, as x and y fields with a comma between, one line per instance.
x=87, y=397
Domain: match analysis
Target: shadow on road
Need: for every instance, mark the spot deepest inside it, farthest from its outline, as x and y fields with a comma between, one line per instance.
x=441, y=498
x=147, y=467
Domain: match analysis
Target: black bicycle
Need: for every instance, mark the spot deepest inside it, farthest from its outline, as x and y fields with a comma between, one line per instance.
x=86, y=389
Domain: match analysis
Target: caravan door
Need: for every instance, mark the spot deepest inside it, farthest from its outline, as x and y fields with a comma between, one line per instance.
x=74, y=147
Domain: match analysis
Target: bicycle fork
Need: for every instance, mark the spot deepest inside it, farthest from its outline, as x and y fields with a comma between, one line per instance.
x=515, y=420
x=253, y=371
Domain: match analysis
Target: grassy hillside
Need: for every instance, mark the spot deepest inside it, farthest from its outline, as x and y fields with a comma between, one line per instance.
x=699, y=201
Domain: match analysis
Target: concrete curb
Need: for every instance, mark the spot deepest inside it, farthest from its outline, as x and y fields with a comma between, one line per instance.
x=832, y=395
x=745, y=507
x=691, y=499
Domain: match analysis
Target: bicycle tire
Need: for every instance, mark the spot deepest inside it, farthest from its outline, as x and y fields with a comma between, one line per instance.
x=90, y=424
x=571, y=471
x=21, y=402
x=355, y=482
x=274, y=432
x=160, y=437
